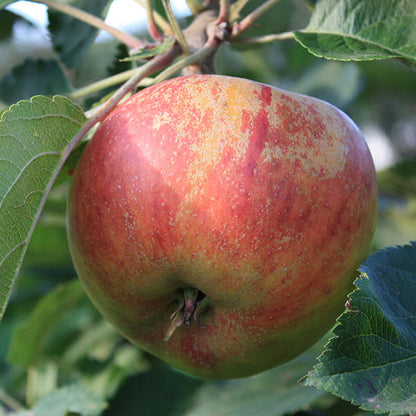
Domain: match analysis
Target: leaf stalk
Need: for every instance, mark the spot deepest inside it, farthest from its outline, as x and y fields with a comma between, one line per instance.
x=175, y=27
x=127, y=39
x=248, y=21
x=151, y=22
x=266, y=38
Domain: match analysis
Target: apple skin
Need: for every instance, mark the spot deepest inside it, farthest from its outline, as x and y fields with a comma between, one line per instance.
x=262, y=199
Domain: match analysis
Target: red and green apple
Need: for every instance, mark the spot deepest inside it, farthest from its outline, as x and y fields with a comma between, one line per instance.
x=218, y=223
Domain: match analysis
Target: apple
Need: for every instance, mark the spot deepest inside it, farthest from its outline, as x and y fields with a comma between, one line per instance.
x=218, y=223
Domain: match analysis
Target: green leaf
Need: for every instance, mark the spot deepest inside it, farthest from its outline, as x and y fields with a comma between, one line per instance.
x=7, y=20
x=275, y=392
x=196, y=6
x=74, y=399
x=19, y=413
x=117, y=65
x=4, y=3
x=48, y=251
x=127, y=360
x=34, y=138
x=268, y=22
x=28, y=340
x=362, y=30
x=160, y=391
x=150, y=53
x=399, y=179
x=335, y=82
x=371, y=361
x=70, y=164
x=72, y=38
x=33, y=77
x=396, y=222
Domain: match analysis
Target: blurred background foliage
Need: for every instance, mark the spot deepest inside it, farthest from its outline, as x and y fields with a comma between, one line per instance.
x=51, y=335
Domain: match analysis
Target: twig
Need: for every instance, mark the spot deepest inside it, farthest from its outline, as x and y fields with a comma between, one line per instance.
x=105, y=83
x=266, y=38
x=224, y=11
x=175, y=27
x=160, y=21
x=130, y=41
x=157, y=63
x=236, y=8
x=151, y=23
x=208, y=49
x=248, y=21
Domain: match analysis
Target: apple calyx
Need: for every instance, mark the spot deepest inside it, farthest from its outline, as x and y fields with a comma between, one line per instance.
x=191, y=304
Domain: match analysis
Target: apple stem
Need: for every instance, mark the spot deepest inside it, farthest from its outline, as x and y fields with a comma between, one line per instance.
x=191, y=304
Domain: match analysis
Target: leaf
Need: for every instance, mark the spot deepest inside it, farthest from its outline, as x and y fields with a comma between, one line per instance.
x=150, y=53
x=28, y=340
x=74, y=399
x=4, y=3
x=7, y=21
x=33, y=77
x=396, y=223
x=400, y=179
x=371, y=361
x=196, y=6
x=117, y=65
x=70, y=164
x=34, y=138
x=159, y=391
x=127, y=360
x=335, y=82
x=361, y=30
x=274, y=392
x=48, y=251
x=72, y=38
x=266, y=23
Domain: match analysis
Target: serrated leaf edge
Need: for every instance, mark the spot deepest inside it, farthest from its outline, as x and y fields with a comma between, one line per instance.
x=44, y=197
x=391, y=52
